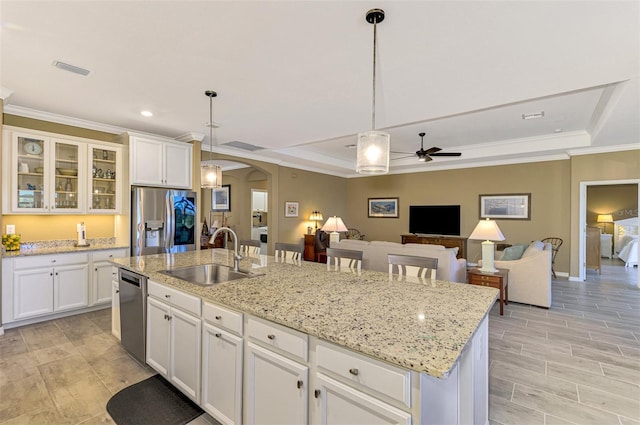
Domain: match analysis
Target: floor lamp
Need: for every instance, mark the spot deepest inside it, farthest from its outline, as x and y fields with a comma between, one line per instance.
x=487, y=231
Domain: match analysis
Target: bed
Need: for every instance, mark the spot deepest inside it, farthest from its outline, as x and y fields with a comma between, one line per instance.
x=629, y=251
x=625, y=239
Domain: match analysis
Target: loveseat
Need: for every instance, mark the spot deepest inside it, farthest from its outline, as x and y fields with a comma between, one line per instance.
x=374, y=256
x=529, y=274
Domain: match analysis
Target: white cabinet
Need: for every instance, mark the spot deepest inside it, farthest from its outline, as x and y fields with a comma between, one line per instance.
x=275, y=388
x=222, y=362
x=352, y=388
x=105, y=184
x=259, y=200
x=160, y=163
x=115, y=308
x=45, y=174
x=46, y=284
x=103, y=274
x=276, y=374
x=606, y=245
x=174, y=336
x=341, y=404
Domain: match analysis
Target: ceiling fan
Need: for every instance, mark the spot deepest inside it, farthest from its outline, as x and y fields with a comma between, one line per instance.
x=425, y=155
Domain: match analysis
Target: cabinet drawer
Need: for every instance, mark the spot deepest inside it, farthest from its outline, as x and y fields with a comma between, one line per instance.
x=34, y=261
x=174, y=297
x=365, y=373
x=280, y=337
x=109, y=254
x=484, y=280
x=223, y=317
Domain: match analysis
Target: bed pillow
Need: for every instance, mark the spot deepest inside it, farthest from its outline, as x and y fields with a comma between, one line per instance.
x=513, y=252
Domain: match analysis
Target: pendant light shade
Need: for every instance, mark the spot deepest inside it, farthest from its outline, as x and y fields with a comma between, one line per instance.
x=373, y=152
x=373, y=146
x=210, y=174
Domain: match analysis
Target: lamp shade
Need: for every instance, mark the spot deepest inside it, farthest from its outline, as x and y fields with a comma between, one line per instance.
x=316, y=216
x=373, y=152
x=605, y=218
x=210, y=176
x=487, y=230
x=334, y=224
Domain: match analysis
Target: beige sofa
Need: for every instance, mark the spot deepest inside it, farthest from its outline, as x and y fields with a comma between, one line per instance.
x=375, y=253
x=530, y=276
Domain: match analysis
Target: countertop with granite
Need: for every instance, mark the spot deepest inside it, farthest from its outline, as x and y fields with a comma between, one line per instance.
x=419, y=325
x=62, y=247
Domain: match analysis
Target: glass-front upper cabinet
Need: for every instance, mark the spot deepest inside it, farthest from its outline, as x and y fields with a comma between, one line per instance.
x=104, y=185
x=47, y=175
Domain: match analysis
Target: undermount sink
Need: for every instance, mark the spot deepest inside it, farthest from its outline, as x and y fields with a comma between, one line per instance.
x=208, y=274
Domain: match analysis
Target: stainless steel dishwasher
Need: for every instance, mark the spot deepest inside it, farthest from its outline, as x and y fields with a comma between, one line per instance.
x=133, y=313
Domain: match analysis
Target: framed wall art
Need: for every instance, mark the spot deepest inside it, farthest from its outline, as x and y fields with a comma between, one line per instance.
x=291, y=209
x=511, y=206
x=383, y=207
x=221, y=199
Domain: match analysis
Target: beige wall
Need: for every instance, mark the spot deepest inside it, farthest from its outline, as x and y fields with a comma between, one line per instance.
x=593, y=168
x=548, y=183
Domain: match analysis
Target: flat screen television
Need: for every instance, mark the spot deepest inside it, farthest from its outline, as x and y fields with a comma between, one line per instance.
x=435, y=219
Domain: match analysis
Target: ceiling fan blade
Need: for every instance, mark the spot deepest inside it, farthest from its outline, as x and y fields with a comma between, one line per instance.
x=402, y=157
x=433, y=150
x=402, y=153
x=446, y=154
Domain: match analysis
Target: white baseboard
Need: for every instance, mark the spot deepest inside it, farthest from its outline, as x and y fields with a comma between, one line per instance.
x=1, y=331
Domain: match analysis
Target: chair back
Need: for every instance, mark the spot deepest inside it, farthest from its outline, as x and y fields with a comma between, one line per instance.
x=250, y=247
x=288, y=251
x=411, y=265
x=555, y=247
x=337, y=255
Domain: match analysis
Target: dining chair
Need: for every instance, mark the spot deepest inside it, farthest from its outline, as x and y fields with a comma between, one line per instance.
x=286, y=251
x=416, y=266
x=250, y=247
x=354, y=257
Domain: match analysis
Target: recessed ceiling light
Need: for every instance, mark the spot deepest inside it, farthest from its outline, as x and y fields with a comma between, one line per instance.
x=71, y=68
x=558, y=130
x=146, y=113
x=533, y=116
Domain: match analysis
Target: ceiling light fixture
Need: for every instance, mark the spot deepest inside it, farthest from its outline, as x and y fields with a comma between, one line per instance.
x=210, y=174
x=373, y=146
x=146, y=113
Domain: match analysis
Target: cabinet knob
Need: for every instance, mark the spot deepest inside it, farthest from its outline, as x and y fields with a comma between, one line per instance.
x=53, y=261
x=300, y=383
x=271, y=336
x=354, y=371
x=317, y=393
x=218, y=317
x=117, y=291
x=51, y=274
x=218, y=335
x=167, y=296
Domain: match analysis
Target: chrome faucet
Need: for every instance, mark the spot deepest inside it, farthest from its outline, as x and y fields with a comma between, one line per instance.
x=236, y=254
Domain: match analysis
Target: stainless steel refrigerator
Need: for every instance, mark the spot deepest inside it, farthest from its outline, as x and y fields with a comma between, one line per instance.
x=162, y=221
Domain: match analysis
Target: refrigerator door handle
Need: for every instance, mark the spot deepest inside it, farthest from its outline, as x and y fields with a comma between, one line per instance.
x=170, y=222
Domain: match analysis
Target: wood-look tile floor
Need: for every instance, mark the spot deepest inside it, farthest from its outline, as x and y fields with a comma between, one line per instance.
x=576, y=363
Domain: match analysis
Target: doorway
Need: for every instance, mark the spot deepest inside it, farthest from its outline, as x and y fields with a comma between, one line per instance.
x=259, y=215
x=613, y=265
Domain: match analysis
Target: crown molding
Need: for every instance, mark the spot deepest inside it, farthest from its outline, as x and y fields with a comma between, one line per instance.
x=190, y=137
x=5, y=93
x=62, y=119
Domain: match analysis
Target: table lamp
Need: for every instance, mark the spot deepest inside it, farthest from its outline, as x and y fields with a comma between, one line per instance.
x=605, y=218
x=334, y=225
x=487, y=231
x=316, y=216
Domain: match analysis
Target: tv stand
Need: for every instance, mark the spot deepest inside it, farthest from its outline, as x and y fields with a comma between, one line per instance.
x=446, y=241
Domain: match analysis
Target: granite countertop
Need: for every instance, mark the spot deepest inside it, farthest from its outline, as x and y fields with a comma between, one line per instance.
x=62, y=247
x=419, y=325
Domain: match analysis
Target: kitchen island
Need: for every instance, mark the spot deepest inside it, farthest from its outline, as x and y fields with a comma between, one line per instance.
x=435, y=331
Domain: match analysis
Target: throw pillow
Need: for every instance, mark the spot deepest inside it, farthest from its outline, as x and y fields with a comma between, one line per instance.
x=454, y=249
x=535, y=246
x=513, y=252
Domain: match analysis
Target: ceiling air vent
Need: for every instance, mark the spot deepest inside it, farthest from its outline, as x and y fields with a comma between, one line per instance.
x=75, y=69
x=243, y=146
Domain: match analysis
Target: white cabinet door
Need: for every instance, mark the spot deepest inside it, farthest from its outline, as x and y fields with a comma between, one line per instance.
x=178, y=165
x=275, y=388
x=186, y=338
x=337, y=403
x=32, y=292
x=70, y=287
x=158, y=336
x=101, y=282
x=115, y=309
x=147, y=162
x=222, y=375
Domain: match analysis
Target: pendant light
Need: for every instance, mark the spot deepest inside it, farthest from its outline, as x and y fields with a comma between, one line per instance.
x=373, y=146
x=210, y=174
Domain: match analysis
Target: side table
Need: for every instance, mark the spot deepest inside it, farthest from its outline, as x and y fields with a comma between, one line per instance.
x=498, y=280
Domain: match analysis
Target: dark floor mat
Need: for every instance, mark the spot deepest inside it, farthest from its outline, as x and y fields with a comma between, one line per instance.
x=152, y=401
